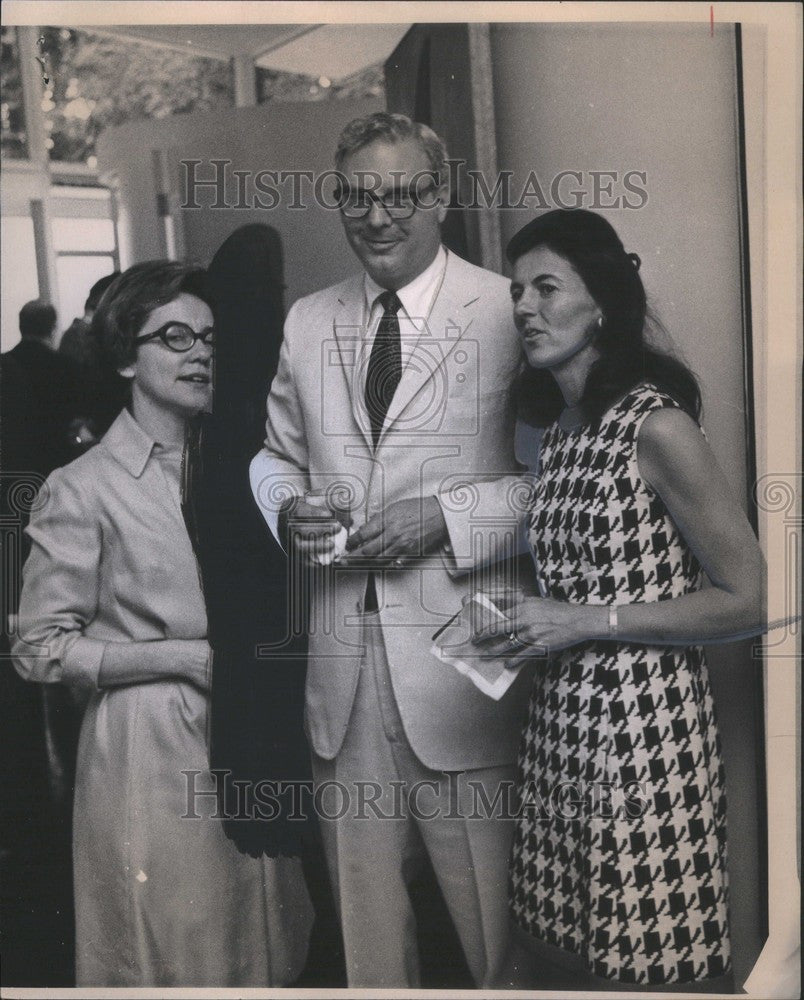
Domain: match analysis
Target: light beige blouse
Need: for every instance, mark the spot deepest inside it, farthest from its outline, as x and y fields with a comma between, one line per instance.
x=162, y=897
x=110, y=560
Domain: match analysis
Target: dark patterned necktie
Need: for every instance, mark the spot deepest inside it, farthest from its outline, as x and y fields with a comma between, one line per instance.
x=385, y=364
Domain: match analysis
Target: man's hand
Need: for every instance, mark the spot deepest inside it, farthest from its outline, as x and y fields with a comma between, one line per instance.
x=310, y=530
x=404, y=530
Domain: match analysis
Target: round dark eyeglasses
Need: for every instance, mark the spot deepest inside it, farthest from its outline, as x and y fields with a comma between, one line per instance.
x=179, y=337
x=401, y=203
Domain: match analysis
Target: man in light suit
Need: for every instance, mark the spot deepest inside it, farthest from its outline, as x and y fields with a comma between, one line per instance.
x=394, y=387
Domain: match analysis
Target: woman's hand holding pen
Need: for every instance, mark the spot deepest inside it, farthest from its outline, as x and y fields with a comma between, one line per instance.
x=537, y=626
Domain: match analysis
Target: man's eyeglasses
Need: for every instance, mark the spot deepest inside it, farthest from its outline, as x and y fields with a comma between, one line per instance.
x=399, y=203
x=179, y=337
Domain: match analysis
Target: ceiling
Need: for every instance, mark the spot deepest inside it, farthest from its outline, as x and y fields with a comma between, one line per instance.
x=221, y=41
x=333, y=50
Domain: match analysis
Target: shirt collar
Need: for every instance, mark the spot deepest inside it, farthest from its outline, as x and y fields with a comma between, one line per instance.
x=416, y=296
x=129, y=444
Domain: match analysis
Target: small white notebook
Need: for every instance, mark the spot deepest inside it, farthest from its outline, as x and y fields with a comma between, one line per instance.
x=454, y=646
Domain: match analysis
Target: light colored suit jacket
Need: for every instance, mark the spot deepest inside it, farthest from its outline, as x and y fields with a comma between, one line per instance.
x=449, y=432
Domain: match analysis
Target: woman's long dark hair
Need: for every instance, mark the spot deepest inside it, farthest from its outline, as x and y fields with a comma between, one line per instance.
x=593, y=248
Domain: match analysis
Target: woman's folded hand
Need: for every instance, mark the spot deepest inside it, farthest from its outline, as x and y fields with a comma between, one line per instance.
x=139, y=662
x=539, y=626
x=195, y=660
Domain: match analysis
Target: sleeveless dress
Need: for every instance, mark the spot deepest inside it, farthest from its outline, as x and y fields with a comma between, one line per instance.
x=619, y=854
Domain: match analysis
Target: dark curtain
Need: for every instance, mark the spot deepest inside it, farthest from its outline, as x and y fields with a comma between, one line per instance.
x=257, y=697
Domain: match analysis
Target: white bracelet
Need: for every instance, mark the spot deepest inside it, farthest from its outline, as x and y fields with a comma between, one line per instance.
x=613, y=624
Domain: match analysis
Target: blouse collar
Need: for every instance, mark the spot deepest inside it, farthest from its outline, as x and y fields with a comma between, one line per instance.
x=129, y=444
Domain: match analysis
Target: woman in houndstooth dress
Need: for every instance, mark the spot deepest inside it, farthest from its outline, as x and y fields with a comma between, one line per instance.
x=619, y=859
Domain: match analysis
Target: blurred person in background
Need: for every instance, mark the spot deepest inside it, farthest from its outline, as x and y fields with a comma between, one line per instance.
x=58, y=391
x=77, y=341
x=108, y=391
x=42, y=405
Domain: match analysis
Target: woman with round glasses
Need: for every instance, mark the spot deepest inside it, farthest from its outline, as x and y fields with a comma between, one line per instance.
x=111, y=601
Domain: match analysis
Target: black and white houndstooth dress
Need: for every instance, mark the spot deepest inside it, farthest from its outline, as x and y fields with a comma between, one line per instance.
x=620, y=849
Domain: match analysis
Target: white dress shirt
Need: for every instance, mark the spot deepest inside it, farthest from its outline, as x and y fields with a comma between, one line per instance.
x=417, y=300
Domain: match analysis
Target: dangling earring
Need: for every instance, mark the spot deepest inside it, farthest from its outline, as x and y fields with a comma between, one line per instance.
x=600, y=324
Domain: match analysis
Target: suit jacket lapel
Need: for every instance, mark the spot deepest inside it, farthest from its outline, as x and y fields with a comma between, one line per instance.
x=348, y=329
x=449, y=319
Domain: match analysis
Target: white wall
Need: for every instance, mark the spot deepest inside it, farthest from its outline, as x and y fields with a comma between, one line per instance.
x=267, y=137
x=72, y=218
x=654, y=98
x=19, y=280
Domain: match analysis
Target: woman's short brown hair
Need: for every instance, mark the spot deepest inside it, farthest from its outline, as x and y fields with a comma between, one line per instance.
x=132, y=297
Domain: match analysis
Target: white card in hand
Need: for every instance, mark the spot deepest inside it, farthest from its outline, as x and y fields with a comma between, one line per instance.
x=454, y=646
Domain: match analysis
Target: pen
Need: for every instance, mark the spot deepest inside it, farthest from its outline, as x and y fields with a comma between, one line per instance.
x=447, y=624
